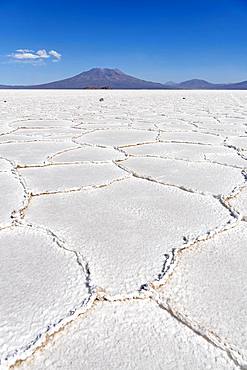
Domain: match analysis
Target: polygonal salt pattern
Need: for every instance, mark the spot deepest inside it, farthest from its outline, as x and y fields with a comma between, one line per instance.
x=189, y=151
x=38, y=134
x=52, y=179
x=11, y=197
x=42, y=284
x=118, y=138
x=191, y=137
x=13, y=137
x=5, y=165
x=88, y=153
x=116, y=232
x=129, y=335
x=201, y=177
x=227, y=159
x=167, y=124
x=32, y=153
x=125, y=229
x=239, y=202
x=238, y=142
x=209, y=286
x=42, y=123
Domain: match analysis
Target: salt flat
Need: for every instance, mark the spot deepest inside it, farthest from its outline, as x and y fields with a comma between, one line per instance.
x=123, y=230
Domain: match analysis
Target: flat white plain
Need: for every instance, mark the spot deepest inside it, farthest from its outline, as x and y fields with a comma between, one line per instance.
x=123, y=229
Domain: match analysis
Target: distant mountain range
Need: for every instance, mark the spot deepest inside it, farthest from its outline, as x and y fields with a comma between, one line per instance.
x=196, y=84
x=106, y=78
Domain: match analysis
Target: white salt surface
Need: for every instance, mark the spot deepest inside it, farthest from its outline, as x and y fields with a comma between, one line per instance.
x=136, y=205
x=41, y=123
x=191, y=137
x=238, y=142
x=5, y=165
x=187, y=151
x=88, y=153
x=33, y=152
x=210, y=286
x=137, y=335
x=240, y=202
x=11, y=196
x=118, y=138
x=68, y=177
x=227, y=159
x=35, y=134
x=125, y=229
x=201, y=177
x=40, y=283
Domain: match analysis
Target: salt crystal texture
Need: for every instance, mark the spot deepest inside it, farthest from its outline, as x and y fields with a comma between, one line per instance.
x=123, y=229
x=136, y=335
x=41, y=284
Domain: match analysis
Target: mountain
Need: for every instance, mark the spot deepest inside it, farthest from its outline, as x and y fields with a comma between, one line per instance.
x=196, y=84
x=236, y=86
x=170, y=83
x=106, y=78
x=101, y=78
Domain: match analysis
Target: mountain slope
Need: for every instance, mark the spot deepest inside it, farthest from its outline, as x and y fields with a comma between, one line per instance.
x=196, y=84
x=98, y=78
x=101, y=78
x=236, y=86
x=205, y=85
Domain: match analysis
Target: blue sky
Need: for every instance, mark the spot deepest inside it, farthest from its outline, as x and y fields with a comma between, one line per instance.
x=156, y=40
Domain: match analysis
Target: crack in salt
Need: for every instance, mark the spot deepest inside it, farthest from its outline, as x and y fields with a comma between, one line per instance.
x=27, y=350
x=181, y=187
x=147, y=290
x=211, y=337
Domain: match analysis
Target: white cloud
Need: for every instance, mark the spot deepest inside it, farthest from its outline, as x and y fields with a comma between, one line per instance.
x=55, y=54
x=22, y=55
x=24, y=50
x=25, y=55
x=42, y=54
